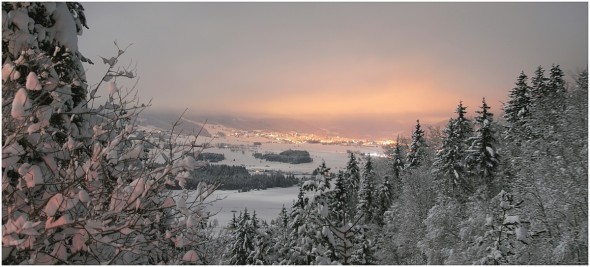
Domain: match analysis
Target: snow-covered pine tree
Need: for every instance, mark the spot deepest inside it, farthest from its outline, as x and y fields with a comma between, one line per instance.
x=242, y=240
x=308, y=242
x=557, y=88
x=482, y=158
x=539, y=88
x=364, y=250
x=322, y=229
x=397, y=166
x=517, y=109
x=442, y=229
x=464, y=126
x=551, y=175
x=323, y=176
x=417, y=147
x=353, y=182
x=582, y=81
x=366, y=195
x=449, y=162
x=384, y=200
x=339, y=199
x=410, y=209
x=283, y=218
x=507, y=232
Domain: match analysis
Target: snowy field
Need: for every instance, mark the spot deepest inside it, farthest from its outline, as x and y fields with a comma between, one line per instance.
x=335, y=156
x=267, y=203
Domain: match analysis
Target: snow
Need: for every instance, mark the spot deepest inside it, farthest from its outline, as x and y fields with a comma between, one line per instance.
x=490, y=151
x=187, y=163
x=335, y=156
x=168, y=203
x=21, y=41
x=51, y=83
x=53, y=204
x=181, y=178
x=83, y=196
x=267, y=203
x=181, y=203
x=11, y=154
x=113, y=88
x=190, y=256
x=49, y=7
x=33, y=82
x=79, y=242
x=20, y=104
x=512, y=219
x=489, y=221
x=63, y=220
x=192, y=221
x=8, y=70
x=180, y=241
x=133, y=153
x=126, y=231
x=20, y=19
x=21, y=226
x=60, y=252
x=34, y=176
x=324, y=211
x=521, y=233
x=111, y=61
x=138, y=186
x=65, y=27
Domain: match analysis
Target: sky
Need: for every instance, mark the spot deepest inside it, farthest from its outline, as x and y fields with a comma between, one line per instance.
x=334, y=61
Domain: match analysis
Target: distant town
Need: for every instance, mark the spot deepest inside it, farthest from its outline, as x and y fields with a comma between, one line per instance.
x=293, y=137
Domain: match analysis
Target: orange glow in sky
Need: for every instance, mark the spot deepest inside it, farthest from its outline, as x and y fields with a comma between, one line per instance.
x=398, y=61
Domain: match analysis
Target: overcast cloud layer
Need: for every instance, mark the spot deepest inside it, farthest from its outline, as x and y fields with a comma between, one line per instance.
x=303, y=60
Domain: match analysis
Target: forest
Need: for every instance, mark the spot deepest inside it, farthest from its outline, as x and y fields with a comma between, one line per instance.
x=510, y=189
x=237, y=178
x=287, y=156
x=211, y=157
x=82, y=185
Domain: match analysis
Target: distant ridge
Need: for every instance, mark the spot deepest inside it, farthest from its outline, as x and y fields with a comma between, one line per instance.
x=164, y=121
x=362, y=128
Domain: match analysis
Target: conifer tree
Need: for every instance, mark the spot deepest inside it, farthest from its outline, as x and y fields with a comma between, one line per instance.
x=417, y=148
x=518, y=107
x=556, y=83
x=397, y=166
x=384, y=198
x=243, y=239
x=449, y=163
x=339, y=199
x=324, y=176
x=482, y=158
x=539, y=86
x=283, y=219
x=464, y=125
x=353, y=180
x=365, y=207
x=582, y=81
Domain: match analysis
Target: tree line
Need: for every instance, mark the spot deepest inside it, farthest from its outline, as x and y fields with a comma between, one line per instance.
x=287, y=156
x=237, y=178
x=211, y=157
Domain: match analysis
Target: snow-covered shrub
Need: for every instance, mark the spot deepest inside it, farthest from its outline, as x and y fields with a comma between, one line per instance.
x=79, y=182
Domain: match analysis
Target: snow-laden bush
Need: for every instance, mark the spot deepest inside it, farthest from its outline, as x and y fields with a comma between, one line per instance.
x=80, y=183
